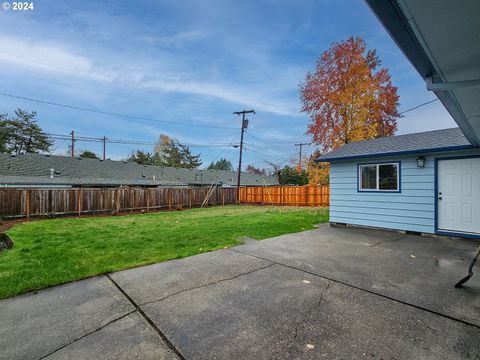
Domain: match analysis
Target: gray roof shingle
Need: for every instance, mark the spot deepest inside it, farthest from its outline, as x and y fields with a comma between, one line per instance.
x=35, y=169
x=429, y=141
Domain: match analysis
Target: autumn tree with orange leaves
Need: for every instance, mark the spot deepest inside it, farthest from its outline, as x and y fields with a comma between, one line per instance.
x=349, y=97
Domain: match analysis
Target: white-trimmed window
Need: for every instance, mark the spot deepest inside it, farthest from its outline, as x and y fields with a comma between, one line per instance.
x=379, y=177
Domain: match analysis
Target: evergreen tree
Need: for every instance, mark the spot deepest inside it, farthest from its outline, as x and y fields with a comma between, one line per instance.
x=87, y=154
x=21, y=134
x=143, y=158
x=222, y=164
x=290, y=176
x=3, y=133
x=172, y=153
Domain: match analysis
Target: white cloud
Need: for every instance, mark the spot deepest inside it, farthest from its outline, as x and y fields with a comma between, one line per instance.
x=221, y=91
x=181, y=38
x=26, y=53
x=21, y=52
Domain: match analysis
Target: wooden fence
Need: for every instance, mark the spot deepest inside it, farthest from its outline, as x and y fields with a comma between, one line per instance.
x=78, y=201
x=286, y=195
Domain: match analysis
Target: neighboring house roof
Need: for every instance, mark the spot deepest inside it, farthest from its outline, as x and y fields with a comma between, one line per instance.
x=429, y=141
x=31, y=169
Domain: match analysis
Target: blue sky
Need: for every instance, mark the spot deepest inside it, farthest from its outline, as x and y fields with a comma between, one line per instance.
x=188, y=61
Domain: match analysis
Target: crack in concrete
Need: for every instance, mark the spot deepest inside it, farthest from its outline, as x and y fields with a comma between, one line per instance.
x=465, y=322
x=303, y=318
x=312, y=309
x=87, y=334
x=388, y=241
x=209, y=284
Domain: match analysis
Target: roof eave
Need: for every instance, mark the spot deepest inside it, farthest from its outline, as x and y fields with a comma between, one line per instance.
x=395, y=22
x=397, y=153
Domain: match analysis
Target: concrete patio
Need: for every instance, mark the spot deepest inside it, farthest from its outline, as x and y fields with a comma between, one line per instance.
x=327, y=293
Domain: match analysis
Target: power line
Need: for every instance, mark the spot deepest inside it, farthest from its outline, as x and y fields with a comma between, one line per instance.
x=279, y=158
x=268, y=142
x=71, y=71
x=262, y=151
x=121, y=141
x=216, y=158
x=44, y=80
x=72, y=107
x=403, y=112
x=418, y=106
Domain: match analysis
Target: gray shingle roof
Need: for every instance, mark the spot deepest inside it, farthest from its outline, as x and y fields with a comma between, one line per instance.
x=429, y=141
x=35, y=169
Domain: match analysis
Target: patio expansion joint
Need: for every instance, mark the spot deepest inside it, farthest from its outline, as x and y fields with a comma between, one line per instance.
x=210, y=284
x=87, y=334
x=465, y=322
x=148, y=320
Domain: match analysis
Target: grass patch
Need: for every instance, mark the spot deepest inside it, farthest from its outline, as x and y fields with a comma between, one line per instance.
x=51, y=252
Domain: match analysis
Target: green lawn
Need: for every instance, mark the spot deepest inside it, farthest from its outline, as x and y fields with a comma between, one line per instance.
x=51, y=252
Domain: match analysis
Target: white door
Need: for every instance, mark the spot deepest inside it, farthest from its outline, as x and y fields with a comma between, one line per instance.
x=459, y=195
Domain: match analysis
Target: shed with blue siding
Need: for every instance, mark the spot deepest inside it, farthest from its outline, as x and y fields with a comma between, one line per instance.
x=425, y=182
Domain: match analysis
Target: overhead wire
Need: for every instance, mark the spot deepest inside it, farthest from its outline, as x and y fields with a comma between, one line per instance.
x=268, y=142
x=418, y=106
x=72, y=107
x=217, y=157
x=268, y=153
x=121, y=141
x=278, y=158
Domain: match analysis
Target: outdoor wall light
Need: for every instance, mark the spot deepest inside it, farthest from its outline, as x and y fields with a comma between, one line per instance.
x=421, y=161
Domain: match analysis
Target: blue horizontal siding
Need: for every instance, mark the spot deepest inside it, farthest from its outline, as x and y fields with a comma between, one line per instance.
x=407, y=179
x=406, y=185
x=413, y=217
x=392, y=211
x=383, y=205
x=412, y=209
x=411, y=193
x=381, y=198
x=409, y=226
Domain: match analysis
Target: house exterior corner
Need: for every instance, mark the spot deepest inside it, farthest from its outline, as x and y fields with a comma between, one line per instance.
x=418, y=200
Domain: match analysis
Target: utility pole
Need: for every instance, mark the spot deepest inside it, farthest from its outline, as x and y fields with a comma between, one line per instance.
x=244, y=126
x=300, y=152
x=104, y=146
x=73, y=143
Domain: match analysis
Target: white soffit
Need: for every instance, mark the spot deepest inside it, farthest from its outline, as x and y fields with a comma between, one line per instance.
x=448, y=33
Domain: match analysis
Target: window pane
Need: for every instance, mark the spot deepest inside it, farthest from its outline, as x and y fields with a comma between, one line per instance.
x=369, y=177
x=387, y=177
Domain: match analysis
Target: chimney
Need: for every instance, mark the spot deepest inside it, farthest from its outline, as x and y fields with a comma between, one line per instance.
x=52, y=171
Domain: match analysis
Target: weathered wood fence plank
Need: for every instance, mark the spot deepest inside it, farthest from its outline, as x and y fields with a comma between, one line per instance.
x=286, y=195
x=78, y=201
